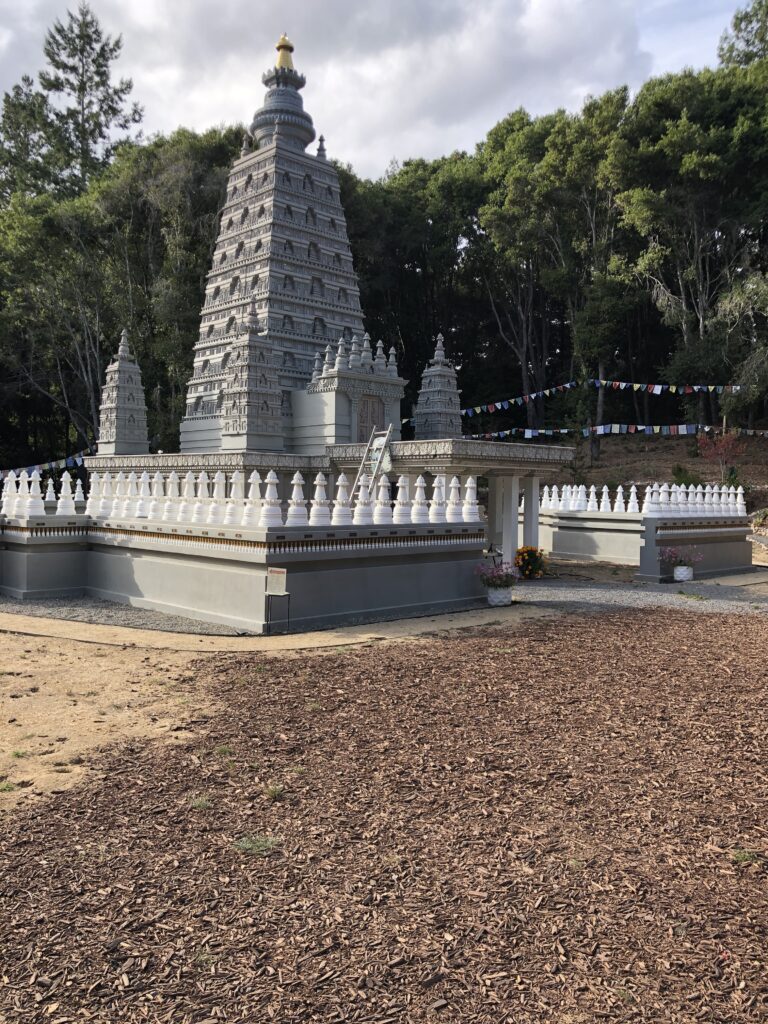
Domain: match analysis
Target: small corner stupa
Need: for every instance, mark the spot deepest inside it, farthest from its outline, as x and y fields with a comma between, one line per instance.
x=438, y=409
x=123, y=411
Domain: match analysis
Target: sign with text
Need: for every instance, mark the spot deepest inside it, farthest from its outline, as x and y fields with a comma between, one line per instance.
x=276, y=581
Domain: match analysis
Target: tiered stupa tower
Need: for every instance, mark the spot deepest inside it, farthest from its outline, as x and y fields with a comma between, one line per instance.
x=282, y=285
x=438, y=410
x=123, y=411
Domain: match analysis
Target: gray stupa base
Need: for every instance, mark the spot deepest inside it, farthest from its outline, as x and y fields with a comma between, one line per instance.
x=38, y=560
x=335, y=576
x=721, y=543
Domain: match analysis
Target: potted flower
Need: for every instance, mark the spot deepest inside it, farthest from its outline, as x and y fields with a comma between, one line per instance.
x=530, y=562
x=682, y=561
x=498, y=581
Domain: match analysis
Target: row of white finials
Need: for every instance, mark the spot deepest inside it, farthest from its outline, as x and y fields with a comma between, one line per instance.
x=658, y=500
x=202, y=500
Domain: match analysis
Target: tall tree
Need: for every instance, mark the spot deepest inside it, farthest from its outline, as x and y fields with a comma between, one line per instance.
x=687, y=149
x=747, y=40
x=25, y=150
x=87, y=104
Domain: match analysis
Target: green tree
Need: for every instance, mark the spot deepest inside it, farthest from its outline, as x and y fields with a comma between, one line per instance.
x=747, y=40
x=25, y=151
x=687, y=148
x=87, y=105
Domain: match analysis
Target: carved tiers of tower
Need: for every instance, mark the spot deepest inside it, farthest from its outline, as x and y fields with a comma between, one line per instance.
x=438, y=408
x=281, y=284
x=123, y=411
x=283, y=105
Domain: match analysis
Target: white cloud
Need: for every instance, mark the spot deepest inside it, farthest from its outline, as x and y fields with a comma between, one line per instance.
x=405, y=78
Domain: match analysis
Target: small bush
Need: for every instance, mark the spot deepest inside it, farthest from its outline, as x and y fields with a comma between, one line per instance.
x=685, y=477
x=530, y=562
x=760, y=518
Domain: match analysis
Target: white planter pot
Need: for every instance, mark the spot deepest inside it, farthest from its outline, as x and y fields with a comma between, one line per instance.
x=682, y=573
x=499, y=596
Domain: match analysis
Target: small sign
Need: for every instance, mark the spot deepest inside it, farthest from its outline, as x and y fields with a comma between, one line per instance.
x=276, y=581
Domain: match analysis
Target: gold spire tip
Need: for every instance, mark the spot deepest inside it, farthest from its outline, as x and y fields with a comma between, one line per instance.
x=284, y=50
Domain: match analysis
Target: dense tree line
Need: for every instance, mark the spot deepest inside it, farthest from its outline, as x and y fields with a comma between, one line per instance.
x=625, y=241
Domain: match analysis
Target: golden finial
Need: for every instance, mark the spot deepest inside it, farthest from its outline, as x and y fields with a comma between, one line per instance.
x=284, y=50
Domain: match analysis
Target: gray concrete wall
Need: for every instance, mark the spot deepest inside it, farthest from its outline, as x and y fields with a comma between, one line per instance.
x=592, y=537
x=199, y=587
x=334, y=575
x=44, y=564
x=722, y=543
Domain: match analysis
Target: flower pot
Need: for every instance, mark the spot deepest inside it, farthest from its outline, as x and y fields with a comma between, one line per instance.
x=682, y=573
x=499, y=596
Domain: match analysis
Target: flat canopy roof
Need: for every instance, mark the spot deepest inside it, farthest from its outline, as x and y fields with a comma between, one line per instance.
x=455, y=455
x=479, y=458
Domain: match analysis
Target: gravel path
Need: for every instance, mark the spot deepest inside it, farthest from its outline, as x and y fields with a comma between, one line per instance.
x=111, y=613
x=561, y=595
x=570, y=596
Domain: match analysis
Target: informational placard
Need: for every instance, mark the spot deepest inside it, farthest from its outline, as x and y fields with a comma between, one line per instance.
x=277, y=580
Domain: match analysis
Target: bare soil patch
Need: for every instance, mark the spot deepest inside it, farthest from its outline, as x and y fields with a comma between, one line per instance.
x=61, y=701
x=566, y=824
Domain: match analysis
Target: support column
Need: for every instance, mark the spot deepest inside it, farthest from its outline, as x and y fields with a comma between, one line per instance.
x=531, y=512
x=510, y=516
x=494, y=510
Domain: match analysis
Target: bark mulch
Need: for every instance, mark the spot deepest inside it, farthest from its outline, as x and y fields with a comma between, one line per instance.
x=566, y=823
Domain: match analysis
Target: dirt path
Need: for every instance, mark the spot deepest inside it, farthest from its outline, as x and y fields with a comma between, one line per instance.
x=62, y=701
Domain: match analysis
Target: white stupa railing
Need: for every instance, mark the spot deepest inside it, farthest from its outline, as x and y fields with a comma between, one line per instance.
x=667, y=500
x=204, y=501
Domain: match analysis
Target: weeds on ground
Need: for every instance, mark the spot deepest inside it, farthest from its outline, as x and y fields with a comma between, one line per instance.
x=7, y=787
x=223, y=750
x=201, y=803
x=745, y=856
x=19, y=753
x=274, y=791
x=257, y=846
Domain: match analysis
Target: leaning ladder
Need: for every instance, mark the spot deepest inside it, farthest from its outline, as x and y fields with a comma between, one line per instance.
x=374, y=453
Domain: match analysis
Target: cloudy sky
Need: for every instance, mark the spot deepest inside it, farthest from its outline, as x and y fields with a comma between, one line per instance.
x=385, y=78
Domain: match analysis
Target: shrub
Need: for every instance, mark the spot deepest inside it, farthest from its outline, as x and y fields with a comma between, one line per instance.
x=685, y=477
x=530, y=562
x=723, y=450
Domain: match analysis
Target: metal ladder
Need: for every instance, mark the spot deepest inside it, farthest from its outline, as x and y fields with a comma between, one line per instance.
x=374, y=453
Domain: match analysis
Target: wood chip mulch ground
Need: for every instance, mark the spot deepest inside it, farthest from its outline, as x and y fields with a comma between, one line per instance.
x=566, y=823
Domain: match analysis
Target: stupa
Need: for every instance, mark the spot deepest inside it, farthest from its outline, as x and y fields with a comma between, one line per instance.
x=281, y=289
x=438, y=412
x=123, y=410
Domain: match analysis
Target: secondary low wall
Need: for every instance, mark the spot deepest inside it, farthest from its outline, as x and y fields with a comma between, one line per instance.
x=334, y=575
x=637, y=539
x=592, y=537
